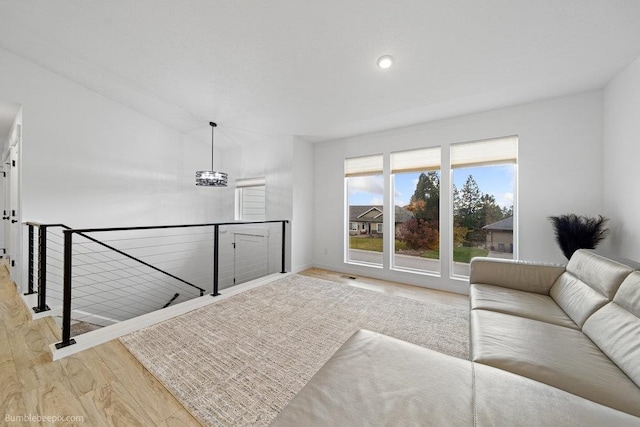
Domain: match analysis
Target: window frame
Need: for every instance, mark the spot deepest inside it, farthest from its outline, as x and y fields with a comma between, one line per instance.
x=510, y=157
x=354, y=167
x=429, y=164
x=242, y=185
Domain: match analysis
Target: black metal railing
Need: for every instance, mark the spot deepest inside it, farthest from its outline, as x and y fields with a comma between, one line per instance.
x=101, y=268
x=40, y=273
x=39, y=259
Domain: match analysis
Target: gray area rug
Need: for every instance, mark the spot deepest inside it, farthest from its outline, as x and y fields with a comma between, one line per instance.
x=241, y=360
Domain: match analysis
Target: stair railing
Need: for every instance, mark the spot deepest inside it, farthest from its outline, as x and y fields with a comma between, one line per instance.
x=69, y=253
x=42, y=262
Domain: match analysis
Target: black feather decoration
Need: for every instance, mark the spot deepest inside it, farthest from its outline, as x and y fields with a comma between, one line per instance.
x=575, y=232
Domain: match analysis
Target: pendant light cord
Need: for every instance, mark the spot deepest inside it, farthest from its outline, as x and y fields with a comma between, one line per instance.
x=213, y=125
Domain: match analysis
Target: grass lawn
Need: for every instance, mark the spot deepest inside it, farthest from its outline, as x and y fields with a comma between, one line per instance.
x=464, y=254
x=371, y=243
x=461, y=254
x=365, y=243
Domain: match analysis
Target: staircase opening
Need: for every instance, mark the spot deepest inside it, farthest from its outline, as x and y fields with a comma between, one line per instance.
x=90, y=279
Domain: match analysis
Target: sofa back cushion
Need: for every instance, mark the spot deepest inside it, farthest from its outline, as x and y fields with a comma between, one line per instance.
x=589, y=282
x=615, y=328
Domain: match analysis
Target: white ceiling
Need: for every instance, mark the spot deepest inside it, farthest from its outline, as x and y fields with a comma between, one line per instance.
x=308, y=68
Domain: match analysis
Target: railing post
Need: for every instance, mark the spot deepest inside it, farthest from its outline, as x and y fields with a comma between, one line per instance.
x=284, y=230
x=31, y=249
x=216, y=239
x=66, y=298
x=42, y=270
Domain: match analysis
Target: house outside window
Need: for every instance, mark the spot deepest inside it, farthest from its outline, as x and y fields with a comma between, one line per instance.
x=364, y=188
x=353, y=228
x=480, y=210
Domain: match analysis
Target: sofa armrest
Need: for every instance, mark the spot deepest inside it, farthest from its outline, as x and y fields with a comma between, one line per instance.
x=376, y=380
x=520, y=275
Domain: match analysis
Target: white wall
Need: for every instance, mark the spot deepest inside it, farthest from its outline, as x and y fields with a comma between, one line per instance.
x=268, y=156
x=303, y=219
x=91, y=162
x=261, y=155
x=621, y=154
x=560, y=171
x=287, y=165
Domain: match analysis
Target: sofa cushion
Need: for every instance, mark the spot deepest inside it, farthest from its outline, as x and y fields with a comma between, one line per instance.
x=515, y=274
x=576, y=298
x=506, y=399
x=603, y=274
x=615, y=328
x=519, y=303
x=378, y=380
x=561, y=357
x=590, y=281
x=628, y=296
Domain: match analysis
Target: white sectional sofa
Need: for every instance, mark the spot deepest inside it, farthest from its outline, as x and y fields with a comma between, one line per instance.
x=550, y=346
x=576, y=329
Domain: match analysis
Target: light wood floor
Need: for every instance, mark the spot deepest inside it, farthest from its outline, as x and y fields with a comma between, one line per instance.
x=106, y=385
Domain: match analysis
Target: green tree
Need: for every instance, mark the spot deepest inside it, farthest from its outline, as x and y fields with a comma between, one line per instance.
x=469, y=205
x=456, y=202
x=489, y=211
x=427, y=191
x=459, y=235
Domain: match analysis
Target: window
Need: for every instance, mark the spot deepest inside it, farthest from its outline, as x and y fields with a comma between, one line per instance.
x=364, y=192
x=416, y=189
x=250, y=199
x=484, y=176
x=379, y=228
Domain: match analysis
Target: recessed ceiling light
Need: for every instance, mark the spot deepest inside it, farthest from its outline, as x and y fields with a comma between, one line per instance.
x=385, y=61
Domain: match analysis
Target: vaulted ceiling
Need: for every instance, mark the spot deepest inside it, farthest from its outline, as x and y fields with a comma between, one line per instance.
x=308, y=68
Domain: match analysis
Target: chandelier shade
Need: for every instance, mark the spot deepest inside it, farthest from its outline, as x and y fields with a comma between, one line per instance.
x=211, y=178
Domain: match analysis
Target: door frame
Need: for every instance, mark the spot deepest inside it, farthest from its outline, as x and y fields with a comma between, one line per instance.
x=13, y=231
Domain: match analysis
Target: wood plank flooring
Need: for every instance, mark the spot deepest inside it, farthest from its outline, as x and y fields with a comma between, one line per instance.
x=106, y=385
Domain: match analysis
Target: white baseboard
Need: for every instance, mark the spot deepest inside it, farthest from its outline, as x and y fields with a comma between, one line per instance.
x=303, y=267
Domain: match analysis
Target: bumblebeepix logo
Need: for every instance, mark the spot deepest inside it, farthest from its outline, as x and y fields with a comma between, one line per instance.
x=43, y=419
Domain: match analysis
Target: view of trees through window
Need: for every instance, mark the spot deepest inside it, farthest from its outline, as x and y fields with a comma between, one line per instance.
x=417, y=240
x=483, y=184
x=482, y=214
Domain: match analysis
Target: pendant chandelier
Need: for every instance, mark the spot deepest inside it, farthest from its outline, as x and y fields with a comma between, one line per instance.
x=211, y=178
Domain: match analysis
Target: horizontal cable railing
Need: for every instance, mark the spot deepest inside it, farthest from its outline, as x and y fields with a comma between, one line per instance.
x=103, y=276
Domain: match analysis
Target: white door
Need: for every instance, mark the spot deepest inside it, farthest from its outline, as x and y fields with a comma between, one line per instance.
x=6, y=223
x=251, y=258
x=13, y=235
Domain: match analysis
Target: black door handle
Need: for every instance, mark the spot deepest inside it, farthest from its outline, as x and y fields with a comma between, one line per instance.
x=13, y=221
